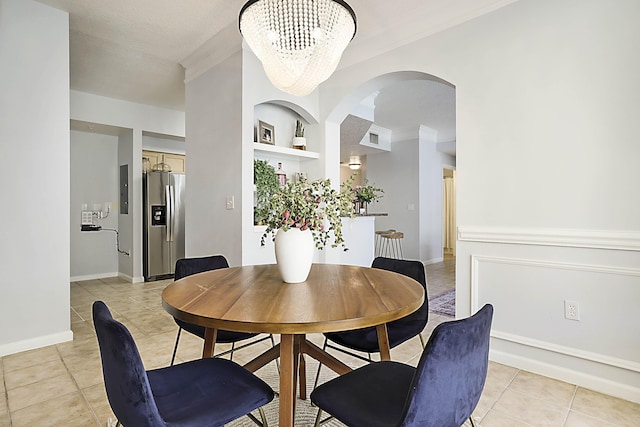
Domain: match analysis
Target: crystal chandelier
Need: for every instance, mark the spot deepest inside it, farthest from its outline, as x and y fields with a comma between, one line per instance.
x=299, y=42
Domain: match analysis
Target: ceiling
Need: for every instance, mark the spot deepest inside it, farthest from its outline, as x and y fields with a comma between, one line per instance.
x=134, y=49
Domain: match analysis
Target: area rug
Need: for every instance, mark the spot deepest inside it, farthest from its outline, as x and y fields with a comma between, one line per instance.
x=444, y=303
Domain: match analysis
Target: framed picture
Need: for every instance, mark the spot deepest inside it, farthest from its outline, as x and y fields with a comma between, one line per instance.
x=266, y=133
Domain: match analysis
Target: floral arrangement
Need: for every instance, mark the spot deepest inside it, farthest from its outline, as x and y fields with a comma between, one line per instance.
x=366, y=193
x=308, y=205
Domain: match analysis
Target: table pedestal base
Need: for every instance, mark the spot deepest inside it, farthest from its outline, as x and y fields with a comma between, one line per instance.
x=291, y=351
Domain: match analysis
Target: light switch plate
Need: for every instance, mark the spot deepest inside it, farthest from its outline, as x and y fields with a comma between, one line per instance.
x=230, y=202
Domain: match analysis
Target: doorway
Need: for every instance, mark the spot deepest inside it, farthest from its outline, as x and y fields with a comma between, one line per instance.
x=449, y=213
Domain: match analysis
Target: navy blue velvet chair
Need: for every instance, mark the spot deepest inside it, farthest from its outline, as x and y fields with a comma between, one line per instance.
x=399, y=331
x=188, y=266
x=442, y=391
x=205, y=392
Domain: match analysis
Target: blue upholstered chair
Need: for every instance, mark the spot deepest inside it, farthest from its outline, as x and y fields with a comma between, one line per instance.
x=442, y=391
x=188, y=266
x=205, y=392
x=399, y=331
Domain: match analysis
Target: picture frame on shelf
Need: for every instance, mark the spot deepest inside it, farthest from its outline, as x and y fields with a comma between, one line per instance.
x=266, y=133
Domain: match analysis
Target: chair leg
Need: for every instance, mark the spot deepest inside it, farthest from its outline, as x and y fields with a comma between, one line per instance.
x=422, y=340
x=273, y=344
x=302, y=376
x=262, y=422
x=472, y=423
x=324, y=348
x=318, y=417
x=175, y=348
x=233, y=346
x=263, y=417
x=320, y=421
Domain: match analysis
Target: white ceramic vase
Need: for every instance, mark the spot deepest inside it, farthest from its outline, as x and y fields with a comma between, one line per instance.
x=294, y=254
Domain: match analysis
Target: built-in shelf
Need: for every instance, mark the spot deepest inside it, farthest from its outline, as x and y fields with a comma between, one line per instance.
x=285, y=152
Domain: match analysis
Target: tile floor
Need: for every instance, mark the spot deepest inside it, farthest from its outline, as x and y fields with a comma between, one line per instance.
x=61, y=385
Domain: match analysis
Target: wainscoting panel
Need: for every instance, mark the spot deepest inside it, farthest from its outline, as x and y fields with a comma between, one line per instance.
x=528, y=296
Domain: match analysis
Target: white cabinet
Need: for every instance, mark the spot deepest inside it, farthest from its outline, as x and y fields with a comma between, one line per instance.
x=175, y=161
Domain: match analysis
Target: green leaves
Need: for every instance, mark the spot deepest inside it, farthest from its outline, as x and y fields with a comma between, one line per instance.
x=366, y=193
x=313, y=205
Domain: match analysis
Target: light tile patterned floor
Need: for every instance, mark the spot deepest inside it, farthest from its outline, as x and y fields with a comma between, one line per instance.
x=61, y=385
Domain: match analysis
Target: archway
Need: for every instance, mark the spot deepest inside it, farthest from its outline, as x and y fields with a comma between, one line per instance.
x=423, y=174
x=414, y=195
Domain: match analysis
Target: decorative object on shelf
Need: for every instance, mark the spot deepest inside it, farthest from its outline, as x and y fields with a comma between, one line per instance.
x=299, y=43
x=281, y=176
x=266, y=133
x=301, y=176
x=365, y=194
x=266, y=182
x=307, y=205
x=299, y=141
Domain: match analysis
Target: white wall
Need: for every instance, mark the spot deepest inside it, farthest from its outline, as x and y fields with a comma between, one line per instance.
x=546, y=179
x=91, y=108
x=130, y=224
x=34, y=148
x=214, y=161
x=411, y=177
x=396, y=172
x=163, y=144
x=94, y=180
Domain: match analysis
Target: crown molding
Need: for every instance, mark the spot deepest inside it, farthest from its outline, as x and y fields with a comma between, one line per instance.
x=213, y=52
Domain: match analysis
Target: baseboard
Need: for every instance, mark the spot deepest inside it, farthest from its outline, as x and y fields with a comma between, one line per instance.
x=570, y=376
x=93, y=276
x=130, y=278
x=34, y=343
x=107, y=275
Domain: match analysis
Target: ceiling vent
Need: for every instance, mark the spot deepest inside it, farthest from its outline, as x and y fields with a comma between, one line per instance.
x=373, y=138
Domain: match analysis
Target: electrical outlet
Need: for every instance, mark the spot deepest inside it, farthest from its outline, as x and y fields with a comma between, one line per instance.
x=571, y=310
x=230, y=202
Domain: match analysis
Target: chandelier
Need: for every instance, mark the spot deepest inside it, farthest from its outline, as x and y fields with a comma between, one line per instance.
x=299, y=42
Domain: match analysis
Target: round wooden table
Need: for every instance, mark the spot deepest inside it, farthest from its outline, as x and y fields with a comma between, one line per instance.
x=255, y=299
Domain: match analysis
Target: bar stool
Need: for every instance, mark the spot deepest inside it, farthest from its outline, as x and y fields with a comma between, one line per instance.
x=392, y=245
x=378, y=241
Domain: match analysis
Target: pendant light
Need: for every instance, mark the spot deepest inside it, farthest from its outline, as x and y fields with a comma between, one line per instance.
x=299, y=42
x=354, y=163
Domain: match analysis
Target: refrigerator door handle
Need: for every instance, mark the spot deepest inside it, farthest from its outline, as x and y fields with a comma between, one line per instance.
x=169, y=218
x=173, y=213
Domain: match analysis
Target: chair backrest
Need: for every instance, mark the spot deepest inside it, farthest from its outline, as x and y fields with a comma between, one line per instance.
x=188, y=266
x=125, y=378
x=451, y=373
x=414, y=323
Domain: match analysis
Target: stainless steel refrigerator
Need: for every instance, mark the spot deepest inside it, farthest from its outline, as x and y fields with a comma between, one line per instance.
x=163, y=223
